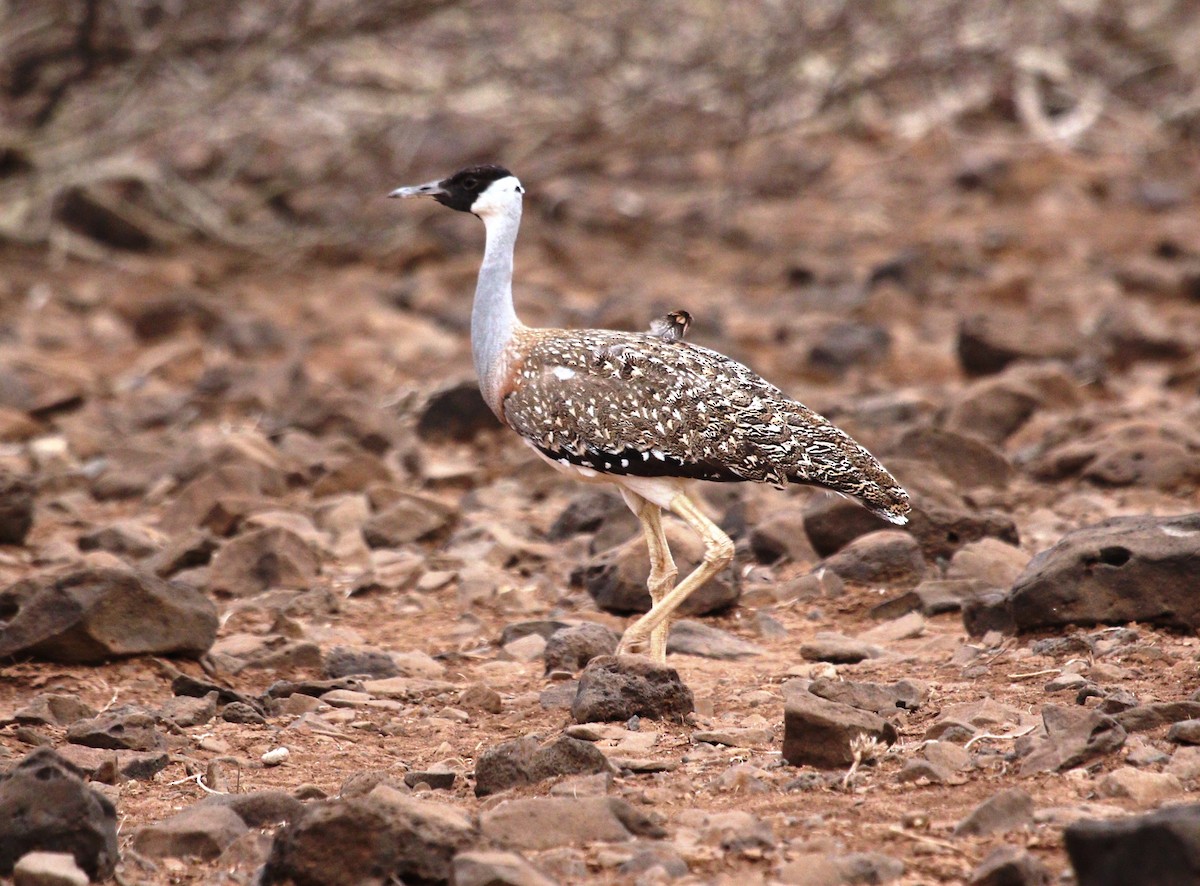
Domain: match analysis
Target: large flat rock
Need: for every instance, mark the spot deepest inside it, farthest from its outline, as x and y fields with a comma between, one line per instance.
x=90, y=615
x=1128, y=569
x=818, y=732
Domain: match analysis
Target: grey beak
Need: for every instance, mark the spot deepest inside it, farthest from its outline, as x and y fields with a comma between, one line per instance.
x=429, y=189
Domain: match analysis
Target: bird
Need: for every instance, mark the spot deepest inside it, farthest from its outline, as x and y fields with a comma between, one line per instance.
x=645, y=412
x=672, y=326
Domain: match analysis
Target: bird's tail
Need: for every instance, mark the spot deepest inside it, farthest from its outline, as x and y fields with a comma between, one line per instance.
x=887, y=499
x=831, y=459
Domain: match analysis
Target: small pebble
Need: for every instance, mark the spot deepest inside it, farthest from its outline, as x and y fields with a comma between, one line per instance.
x=276, y=756
x=1066, y=681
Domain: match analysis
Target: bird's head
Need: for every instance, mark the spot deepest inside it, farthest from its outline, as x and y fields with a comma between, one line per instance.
x=482, y=190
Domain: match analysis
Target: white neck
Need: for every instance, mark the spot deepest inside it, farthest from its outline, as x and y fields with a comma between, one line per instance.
x=493, y=319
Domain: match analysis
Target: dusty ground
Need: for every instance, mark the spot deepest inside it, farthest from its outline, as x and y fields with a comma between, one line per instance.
x=1048, y=242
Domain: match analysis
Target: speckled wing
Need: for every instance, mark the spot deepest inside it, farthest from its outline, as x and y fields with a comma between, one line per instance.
x=633, y=404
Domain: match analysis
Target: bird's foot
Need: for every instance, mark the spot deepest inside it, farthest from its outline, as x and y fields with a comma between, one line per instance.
x=633, y=645
x=639, y=645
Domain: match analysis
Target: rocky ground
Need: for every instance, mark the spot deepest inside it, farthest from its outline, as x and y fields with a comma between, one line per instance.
x=282, y=593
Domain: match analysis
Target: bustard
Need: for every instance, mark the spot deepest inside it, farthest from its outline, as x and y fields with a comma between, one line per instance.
x=643, y=411
x=672, y=326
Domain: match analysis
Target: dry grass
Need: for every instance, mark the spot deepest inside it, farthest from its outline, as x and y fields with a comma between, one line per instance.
x=134, y=124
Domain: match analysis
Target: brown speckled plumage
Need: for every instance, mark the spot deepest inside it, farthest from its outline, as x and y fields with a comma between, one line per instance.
x=634, y=404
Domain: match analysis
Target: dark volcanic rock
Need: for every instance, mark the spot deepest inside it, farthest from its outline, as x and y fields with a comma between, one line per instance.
x=1158, y=464
x=620, y=687
x=48, y=807
x=315, y=688
x=689, y=637
x=822, y=733
x=943, y=529
x=1159, y=455
x=967, y=461
x=990, y=561
x=854, y=867
x=987, y=344
x=781, y=534
x=240, y=712
x=1010, y=866
x=346, y=661
x=438, y=781
x=373, y=838
x=261, y=560
x=362, y=782
x=186, y=550
x=993, y=409
x=598, y=512
x=545, y=822
x=184, y=711
x=1003, y=811
x=848, y=343
x=663, y=857
x=832, y=522
x=53, y=709
x=125, y=538
x=1184, y=732
x=352, y=473
x=559, y=695
x=125, y=728
x=933, y=596
x=407, y=518
x=189, y=686
x=219, y=498
x=838, y=649
x=1072, y=736
x=481, y=697
x=574, y=646
x=129, y=471
x=258, y=809
x=455, y=413
x=543, y=627
x=887, y=557
x=527, y=761
x=91, y=615
x=1157, y=713
x=201, y=831
x=879, y=698
x=616, y=578
x=165, y=315
x=16, y=508
x=1161, y=848
x=493, y=868
x=988, y=611
x=942, y=520
x=1126, y=569
x=113, y=767
x=868, y=867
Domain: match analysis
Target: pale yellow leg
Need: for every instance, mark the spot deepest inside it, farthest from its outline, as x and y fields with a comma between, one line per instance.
x=662, y=567
x=662, y=576
x=718, y=551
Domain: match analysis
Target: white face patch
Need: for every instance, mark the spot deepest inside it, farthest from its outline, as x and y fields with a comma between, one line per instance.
x=562, y=373
x=501, y=196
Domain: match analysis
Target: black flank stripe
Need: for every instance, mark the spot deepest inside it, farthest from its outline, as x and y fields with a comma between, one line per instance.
x=611, y=463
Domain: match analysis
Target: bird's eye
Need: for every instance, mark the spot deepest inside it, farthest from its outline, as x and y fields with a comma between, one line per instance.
x=470, y=183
